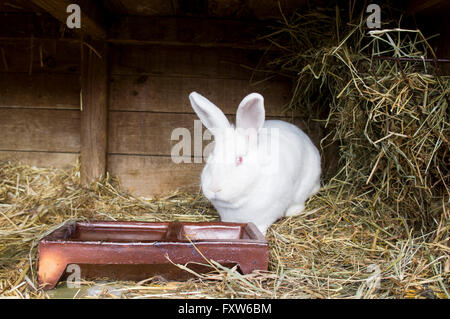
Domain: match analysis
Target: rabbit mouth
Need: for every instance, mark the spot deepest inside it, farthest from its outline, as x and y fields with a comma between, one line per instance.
x=223, y=204
x=217, y=196
x=222, y=200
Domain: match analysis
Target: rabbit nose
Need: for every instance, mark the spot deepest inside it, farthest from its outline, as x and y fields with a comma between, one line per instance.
x=214, y=188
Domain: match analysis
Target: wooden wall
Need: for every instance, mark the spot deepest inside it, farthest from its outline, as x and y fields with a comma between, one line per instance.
x=149, y=92
x=148, y=97
x=39, y=102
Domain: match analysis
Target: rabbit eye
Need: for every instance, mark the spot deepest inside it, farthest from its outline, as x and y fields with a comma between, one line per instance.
x=239, y=160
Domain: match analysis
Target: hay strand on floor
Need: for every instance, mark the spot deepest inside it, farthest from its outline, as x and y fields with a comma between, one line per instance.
x=333, y=251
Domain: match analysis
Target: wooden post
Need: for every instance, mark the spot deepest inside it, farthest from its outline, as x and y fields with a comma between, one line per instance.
x=94, y=113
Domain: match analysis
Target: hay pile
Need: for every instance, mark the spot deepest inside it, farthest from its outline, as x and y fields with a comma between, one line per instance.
x=331, y=252
x=385, y=104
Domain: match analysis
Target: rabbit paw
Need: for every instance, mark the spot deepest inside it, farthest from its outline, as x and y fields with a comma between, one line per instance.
x=295, y=210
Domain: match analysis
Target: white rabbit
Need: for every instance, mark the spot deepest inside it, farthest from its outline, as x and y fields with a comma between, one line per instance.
x=247, y=180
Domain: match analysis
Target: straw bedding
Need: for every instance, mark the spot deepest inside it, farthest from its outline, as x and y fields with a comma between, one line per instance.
x=378, y=228
x=333, y=251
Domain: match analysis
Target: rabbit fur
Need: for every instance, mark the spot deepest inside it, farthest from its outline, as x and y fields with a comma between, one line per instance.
x=258, y=170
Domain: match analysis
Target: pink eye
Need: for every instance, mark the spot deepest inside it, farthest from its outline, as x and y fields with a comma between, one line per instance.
x=238, y=160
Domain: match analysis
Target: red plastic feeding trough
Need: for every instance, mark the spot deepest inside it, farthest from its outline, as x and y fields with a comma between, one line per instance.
x=140, y=250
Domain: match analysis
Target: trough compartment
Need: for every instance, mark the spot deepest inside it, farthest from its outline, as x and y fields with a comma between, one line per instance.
x=140, y=250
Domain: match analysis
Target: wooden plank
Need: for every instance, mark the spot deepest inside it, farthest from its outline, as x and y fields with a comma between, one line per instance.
x=40, y=90
x=18, y=6
x=148, y=133
x=428, y=7
x=115, y=7
x=444, y=46
x=145, y=133
x=189, y=61
x=261, y=9
x=269, y=9
x=426, y=13
x=94, y=89
x=91, y=15
x=165, y=94
x=190, y=31
x=144, y=7
x=38, y=25
x=40, y=130
x=153, y=175
x=41, y=159
x=39, y=56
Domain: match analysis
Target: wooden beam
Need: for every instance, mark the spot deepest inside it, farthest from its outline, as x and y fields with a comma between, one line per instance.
x=427, y=7
x=171, y=61
x=39, y=56
x=174, y=31
x=190, y=31
x=26, y=25
x=94, y=101
x=92, y=16
x=170, y=94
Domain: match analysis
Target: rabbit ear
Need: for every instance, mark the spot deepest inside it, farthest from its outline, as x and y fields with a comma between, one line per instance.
x=210, y=115
x=250, y=113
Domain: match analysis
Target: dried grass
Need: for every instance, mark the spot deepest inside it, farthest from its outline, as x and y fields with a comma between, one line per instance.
x=330, y=252
x=384, y=106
